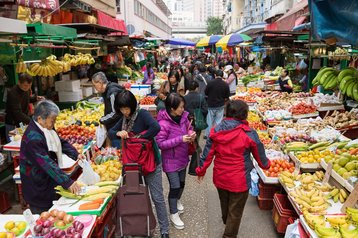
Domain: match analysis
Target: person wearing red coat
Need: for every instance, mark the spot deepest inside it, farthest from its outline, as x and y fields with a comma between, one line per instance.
x=231, y=142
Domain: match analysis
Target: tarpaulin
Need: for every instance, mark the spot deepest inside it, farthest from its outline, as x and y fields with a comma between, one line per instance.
x=110, y=22
x=40, y=4
x=178, y=41
x=335, y=18
x=288, y=20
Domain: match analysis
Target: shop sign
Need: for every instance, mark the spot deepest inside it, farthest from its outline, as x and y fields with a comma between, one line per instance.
x=8, y=11
x=40, y=4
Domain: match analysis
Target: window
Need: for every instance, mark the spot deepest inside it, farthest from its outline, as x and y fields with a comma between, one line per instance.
x=118, y=6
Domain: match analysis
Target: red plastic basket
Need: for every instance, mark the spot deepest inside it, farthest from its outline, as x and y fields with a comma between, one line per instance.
x=264, y=203
x=267, y=191
x=282, y=212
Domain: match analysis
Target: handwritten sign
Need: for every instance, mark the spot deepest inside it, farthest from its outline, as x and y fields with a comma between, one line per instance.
x=40, y=4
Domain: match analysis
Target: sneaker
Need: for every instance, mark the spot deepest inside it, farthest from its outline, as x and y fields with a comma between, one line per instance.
x=177, y=222
x=180, y=207
x=165, y=235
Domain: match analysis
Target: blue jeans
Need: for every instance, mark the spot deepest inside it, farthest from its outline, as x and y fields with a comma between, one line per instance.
x=177, y=184
x=154, y=183
x=214, y=117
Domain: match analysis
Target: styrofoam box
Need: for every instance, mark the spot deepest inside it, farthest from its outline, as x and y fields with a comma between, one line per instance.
x=68, y=86
x=66, y=77
x=140, y=90
x=70, y=96
x=87, y=91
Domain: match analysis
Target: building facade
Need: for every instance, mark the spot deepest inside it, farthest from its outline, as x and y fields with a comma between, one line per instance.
x=233, y=15
x=145, y=17
x=108, y=7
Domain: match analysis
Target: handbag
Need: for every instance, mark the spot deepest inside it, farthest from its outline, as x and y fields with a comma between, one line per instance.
x=199, y=118
x=140, y=151
x=192, y=148
x=194, y=163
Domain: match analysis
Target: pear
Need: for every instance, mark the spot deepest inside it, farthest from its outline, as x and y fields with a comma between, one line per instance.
x=350, y=166
x=336, y=167
x=341, y=171
x=347, y=175
x=343, y=161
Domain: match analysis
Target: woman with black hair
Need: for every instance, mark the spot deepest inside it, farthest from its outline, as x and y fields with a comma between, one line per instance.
x=175, y=134
x=141, y=123
x=173, y=85
x=230, y=145
x=285, y=82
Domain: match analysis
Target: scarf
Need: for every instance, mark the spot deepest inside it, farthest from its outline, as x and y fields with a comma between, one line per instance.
x=127, y=124
x=53, y=143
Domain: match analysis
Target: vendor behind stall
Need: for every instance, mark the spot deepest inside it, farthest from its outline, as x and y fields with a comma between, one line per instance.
x=285, y=82
x=41, y=152
x=17, y=104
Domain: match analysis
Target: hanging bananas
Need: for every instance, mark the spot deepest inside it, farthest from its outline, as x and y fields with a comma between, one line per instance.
x=21, y=67
x=79, y=59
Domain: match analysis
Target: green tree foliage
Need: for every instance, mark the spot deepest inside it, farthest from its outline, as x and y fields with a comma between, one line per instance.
x=215, y=26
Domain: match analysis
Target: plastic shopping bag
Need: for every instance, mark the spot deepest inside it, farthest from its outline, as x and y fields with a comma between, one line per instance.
x=292, y=230
x=88, y=177
x=101, y=135
x=254, y=190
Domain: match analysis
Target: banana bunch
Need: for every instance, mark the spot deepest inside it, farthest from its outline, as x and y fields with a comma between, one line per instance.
x=21, y=67
x=337, y=221
x=327, y=77
x=288, y=178
x=313, y=220
x=313, y=201
x=352, y=214
x=322, y=232
x=48, y=67
x=348, y=83
x=79, y=59
x=338, y=194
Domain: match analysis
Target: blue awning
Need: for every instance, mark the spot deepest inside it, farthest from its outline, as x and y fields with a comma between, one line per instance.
x=304, y=26
x=338, y=19
x=178, y=41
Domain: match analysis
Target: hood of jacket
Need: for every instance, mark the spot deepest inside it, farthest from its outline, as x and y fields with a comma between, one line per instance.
x=225, y=136
x=112, y=88
x=164, y=116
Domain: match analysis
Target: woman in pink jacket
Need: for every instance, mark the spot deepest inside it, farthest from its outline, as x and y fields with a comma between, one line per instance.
x=175, y=134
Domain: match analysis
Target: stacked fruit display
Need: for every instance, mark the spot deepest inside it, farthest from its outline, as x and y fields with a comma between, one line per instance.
x=302, y=137
x=78, y=136
x=81, y=116
x=79, y=59
x=264, y=137
x=259, y=126
x=303, y=108
x=248, y=98
x=253, y=117
x=313, y=156
x=109, y=170
x=148, y=100
x=345, y=164
x=106, y=154
x=277, y=166
x=17, y=227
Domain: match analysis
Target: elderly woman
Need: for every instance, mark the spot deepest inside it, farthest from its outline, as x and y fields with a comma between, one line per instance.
x=40, y=154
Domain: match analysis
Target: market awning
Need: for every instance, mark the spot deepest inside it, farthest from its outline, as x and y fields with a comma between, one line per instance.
x=178, y=41
x=8, y=25
x=51, y=30
x=293, y=17
x=252, y=28
x=105, y=20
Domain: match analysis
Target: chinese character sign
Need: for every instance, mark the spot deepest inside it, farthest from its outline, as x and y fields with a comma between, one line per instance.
x=40, y=4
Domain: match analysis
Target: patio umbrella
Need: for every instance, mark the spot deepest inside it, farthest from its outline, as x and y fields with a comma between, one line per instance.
x=178, y=41
x=208, y=40
x=232, y=40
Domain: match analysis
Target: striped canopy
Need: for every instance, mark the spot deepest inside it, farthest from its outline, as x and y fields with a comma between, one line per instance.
x=232, y=40
x=208, y=40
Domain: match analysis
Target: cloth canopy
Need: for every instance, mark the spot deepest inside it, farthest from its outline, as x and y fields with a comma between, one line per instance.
x=178, y=41
x=208, y=40
x=232, y=40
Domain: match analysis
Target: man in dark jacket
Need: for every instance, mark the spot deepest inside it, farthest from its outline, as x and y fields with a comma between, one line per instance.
x=202, y=78
x=17, y=104
x=218, y=93
x=109, y=91
x=194, y=100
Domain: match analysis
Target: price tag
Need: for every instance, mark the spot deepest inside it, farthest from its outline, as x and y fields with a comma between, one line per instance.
x=297, y=167
x=327, y=175
x=29, y=218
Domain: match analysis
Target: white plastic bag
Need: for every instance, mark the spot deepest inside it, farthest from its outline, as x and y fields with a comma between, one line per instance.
x=101, y=135
x=88, y=177
x=292, y=230
x=254, y=190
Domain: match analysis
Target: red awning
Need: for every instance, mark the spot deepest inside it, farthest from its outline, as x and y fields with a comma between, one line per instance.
x=271, y=27
x=108, y=21
x=289, y=19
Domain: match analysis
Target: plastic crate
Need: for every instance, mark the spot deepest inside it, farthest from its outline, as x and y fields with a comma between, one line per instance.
x=282, y=212
x=4, y=202
x=264, y=203
x=267, y=190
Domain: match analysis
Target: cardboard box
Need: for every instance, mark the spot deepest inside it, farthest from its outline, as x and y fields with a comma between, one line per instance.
x=68, y=86
x=70, y=96
x=87, y=91
x=73, y=75
x=140, y=90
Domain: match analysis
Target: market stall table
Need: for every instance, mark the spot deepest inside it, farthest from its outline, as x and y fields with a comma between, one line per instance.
x=11, y=217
